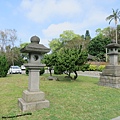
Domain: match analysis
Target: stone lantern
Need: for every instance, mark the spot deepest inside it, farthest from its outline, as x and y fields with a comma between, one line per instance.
x=33, y=98
x=113, y=53
x=110, y=76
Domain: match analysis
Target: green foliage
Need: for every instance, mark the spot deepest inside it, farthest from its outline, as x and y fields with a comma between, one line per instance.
x=3, y=66
x=49, y=59
x=87, y=35
x=42, y=70
x=84, y=67
x=115, y=16
x=97, y=45
x=71, y=60
x=57, y=70
x=26, y=71
x=96, y=68
x=92, y=68
x=57, y=43
x=101, y=67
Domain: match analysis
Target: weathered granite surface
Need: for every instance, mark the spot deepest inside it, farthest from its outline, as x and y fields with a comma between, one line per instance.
x=33, y=98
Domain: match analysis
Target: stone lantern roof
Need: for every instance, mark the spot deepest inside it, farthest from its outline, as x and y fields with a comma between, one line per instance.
x=35, y=47
x=113, y=45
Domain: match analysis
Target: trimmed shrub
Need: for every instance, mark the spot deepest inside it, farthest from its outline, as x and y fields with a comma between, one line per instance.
x=26, y=71
x=101, y=67
x=84, y=67
x=96, y=68
x=92, y=67
x=42, y=70
x=3, y=66
x=57, y=71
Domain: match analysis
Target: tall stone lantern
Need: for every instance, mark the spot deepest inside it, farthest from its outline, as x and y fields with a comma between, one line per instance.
x=33, y=98
x=110, y=76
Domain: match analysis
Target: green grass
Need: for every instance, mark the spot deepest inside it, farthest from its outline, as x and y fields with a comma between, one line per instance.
x=82, y=99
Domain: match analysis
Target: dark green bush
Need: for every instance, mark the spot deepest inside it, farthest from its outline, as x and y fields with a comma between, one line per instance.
x=57, y=70
x=42, y=70
x=85, y=67
x=27, y=71
x=3, y=66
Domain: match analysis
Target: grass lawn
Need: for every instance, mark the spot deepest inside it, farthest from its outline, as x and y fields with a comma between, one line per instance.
x=82, y=99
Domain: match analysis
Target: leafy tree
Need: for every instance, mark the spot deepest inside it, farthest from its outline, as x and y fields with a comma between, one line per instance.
x=118, y=30
x=106, y=32
x=76, y=42
x=57, y=43
x=71, y=60
x=87, y=35
x=97, y=47
x=7, y=41
x=3, y=66
x=115, y=16
x=50, y=60
x=24, y=56
x=17, y=59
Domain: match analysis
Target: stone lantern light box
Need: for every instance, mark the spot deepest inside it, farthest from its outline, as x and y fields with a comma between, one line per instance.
x=33, y=98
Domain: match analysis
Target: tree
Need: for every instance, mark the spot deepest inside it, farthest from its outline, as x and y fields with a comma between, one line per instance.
x=97, y=46
x=87, y=35
x=106, y=32
x=118, y=30
x=3, y=66
x=24, y=56
x=71, y=60
x=7, y=41
x=50, y=60
x=115, y=16
x=76, y=42
x=57, y=43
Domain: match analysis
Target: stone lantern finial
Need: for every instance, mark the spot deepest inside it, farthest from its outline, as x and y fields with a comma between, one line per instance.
x=35, y=39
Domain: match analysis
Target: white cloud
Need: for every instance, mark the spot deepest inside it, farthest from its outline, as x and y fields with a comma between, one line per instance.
x=43, y=10
x=92, y=19
x=54, y=30
x=56, y=16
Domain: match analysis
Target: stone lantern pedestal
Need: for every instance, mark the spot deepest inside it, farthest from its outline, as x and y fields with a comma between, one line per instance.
x=33, y=98
x=110, y=76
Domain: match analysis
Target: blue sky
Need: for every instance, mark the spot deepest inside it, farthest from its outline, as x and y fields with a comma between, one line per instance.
x=49, y=18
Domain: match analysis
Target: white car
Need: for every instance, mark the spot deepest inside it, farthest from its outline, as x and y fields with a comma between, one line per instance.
x=23, y=67
x=15, y=69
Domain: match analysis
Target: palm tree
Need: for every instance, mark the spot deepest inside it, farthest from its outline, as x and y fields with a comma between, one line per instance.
x=115, y=16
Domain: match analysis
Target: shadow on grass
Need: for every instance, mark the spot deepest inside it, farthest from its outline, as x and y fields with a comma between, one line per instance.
x=65, y=78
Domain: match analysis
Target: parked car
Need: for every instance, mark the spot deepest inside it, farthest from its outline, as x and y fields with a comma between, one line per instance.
x=15, y=69
x=23, y=67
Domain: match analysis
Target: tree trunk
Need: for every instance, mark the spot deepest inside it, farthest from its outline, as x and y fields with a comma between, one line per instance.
x=76, y=75
x=50, y=70
x=116, y=31
x=69, y=74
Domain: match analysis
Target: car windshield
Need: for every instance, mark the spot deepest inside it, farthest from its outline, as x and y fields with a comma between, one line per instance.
x=15, y=67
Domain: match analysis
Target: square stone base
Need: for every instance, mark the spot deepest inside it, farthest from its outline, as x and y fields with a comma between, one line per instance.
x=31, y=101
x=33, y=96
x=110, y=81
